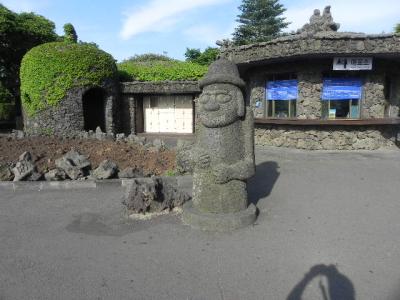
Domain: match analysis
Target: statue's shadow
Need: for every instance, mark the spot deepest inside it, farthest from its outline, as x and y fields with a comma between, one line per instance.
x=262, y=183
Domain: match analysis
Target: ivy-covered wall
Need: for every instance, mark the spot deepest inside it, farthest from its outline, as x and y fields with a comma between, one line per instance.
x=54, y=80
x=50, y=70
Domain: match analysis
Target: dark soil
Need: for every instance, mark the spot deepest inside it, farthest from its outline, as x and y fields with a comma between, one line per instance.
x=47, y=149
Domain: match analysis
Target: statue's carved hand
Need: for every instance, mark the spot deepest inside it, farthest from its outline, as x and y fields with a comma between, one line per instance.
x=222, y=173
x=203, y=159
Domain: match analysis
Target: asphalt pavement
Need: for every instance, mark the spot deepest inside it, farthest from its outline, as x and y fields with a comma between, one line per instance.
x=328, y=228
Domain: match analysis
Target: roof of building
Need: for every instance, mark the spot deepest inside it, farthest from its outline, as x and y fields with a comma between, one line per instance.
x=319, y=38
x=160, y=87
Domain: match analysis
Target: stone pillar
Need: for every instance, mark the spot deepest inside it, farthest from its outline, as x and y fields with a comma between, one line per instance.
x=309, y=101
x=257, y=96
x=223, y=154
x=109, y=111
x=395, y=97
x=373, y=104
x=132, y=113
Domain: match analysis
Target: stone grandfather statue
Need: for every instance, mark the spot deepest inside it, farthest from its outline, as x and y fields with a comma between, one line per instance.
x=223, y=154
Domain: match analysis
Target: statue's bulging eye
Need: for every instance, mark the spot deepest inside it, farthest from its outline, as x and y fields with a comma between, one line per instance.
x=204, y=98
x=223, y=98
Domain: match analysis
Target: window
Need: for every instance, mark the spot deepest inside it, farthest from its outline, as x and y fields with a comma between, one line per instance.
x=341, y=98
x=281, y=94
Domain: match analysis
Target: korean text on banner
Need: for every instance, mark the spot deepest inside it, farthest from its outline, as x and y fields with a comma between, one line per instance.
x=342, y=89
x=282, y=90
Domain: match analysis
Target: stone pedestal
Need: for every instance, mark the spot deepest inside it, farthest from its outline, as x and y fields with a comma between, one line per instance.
x=218, y=221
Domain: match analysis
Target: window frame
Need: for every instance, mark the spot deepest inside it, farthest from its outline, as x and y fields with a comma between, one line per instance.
x=270, y=105
x=325, y=115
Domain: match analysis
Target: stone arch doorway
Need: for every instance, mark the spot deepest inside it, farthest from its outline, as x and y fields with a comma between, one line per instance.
x=93, y=102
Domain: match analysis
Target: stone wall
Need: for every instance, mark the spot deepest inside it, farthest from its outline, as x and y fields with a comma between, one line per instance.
x=394, y=100
x=327, y=137
x=310, y=88
x=374, y=103
x=309, y=75
x=256, y=94
x=67, y=117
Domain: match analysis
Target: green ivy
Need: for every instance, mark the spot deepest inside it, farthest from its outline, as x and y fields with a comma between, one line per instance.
x=49, y=70
x=160, y=70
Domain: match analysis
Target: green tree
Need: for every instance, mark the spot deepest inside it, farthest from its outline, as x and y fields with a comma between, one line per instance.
x=70, y=33
x=192, y=54
x=202, y=58
x=148, y=57
x=259, y=21
x=18, y=34
x=397, y=28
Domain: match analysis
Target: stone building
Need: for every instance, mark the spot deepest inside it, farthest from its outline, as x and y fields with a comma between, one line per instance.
x=323, y=89
x=165, y=107
x=315, y=89
x=72, y=99
x=69, y=87
x=83, y=108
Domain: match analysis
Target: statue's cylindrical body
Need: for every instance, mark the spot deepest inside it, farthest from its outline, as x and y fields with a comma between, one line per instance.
x=223, y=154
x=224, y=146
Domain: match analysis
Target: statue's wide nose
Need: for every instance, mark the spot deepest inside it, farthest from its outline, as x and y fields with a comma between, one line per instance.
x=211, y=106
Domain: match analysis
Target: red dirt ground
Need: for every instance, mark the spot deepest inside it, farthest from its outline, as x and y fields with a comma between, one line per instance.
x=47, y=149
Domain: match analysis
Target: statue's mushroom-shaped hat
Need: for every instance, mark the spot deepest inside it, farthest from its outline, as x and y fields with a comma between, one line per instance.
x=222, y=71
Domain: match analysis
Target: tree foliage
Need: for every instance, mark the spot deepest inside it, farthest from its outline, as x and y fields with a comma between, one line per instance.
x=70, y=33
x=397, y=28
x=202, y=58
x=18, y=34
x=148, y=57
x=6, y=107
x=259, y=21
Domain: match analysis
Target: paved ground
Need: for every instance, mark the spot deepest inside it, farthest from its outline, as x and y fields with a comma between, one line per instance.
x=328, y=228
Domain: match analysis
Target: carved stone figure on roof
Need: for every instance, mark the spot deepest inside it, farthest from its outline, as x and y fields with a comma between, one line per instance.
x=320, y=23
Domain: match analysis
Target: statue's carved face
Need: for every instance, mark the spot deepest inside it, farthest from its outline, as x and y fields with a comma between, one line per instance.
x=220, y=105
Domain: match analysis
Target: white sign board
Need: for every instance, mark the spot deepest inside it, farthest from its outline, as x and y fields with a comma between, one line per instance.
x=352, y=63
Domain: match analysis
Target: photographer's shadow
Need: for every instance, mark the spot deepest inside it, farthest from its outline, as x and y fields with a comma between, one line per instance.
x=262, y=183
x=332, y=284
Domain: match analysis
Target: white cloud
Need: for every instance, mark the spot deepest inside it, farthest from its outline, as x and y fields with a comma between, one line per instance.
x=356, y=15
x=209, y=33
x=159, y=15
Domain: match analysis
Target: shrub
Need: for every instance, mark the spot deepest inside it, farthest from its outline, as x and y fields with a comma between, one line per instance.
x=48, y=71
x=160, y=70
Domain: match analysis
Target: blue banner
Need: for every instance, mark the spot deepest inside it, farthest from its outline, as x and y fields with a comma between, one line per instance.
x=282, y=90
x=342, y=89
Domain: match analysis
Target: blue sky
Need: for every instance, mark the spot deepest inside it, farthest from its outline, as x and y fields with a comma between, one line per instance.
x=125, y=28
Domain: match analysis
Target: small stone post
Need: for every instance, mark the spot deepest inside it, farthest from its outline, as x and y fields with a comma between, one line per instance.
x=223, y=153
